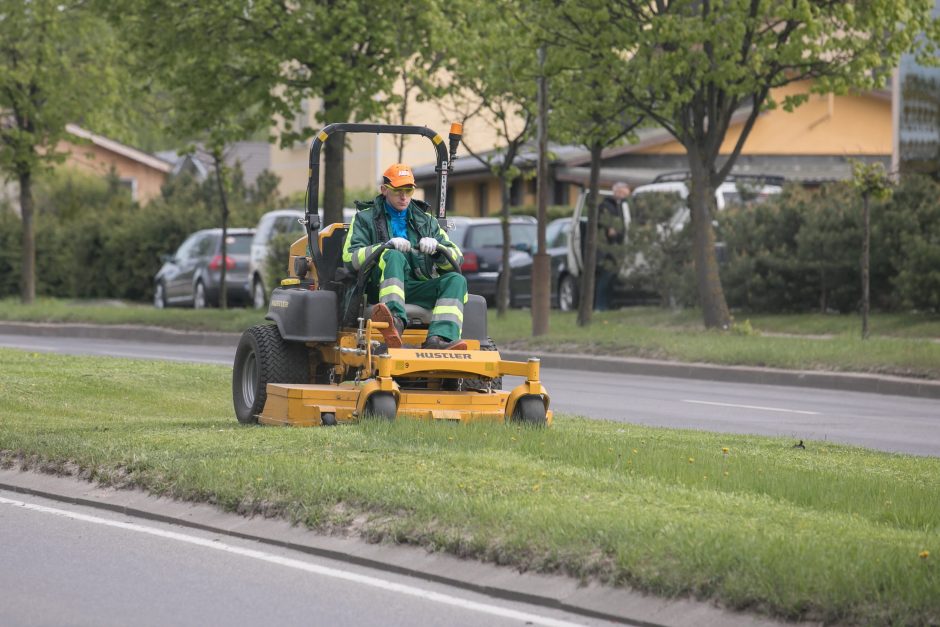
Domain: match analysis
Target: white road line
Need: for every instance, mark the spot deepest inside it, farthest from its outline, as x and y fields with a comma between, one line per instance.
x=788, y=411
x=299, y=565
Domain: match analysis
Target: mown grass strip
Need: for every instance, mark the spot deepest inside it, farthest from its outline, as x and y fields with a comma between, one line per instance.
x=898, y=346
x=829, y=533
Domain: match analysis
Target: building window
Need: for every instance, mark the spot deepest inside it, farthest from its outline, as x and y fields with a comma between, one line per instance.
x=483, y=199
x=130, y=184
x=516, y=191
x=560, y=193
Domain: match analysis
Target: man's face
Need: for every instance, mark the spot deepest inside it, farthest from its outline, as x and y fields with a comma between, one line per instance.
x=398, y=197
x=621, y=192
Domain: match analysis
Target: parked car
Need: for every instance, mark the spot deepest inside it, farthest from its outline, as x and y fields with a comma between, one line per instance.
x=192, y=275
x=481, y=241
x=272, y=224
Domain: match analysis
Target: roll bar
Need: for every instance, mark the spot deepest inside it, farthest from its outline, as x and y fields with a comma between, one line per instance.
x=443, y=167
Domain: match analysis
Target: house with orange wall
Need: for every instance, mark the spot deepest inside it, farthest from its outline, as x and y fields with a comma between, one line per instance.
x=812, y=144
x=143, y=173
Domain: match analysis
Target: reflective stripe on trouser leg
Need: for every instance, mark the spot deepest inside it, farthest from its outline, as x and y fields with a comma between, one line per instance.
x=447, y=315
x=392, y=266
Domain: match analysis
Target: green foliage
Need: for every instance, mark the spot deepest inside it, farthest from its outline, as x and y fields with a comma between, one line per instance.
x=800, y=251
x=658, y=250
x=906, y=246
x=275, y=267
x=694, y=66
x=58, y=65
x=92, y=242
x=871, y=179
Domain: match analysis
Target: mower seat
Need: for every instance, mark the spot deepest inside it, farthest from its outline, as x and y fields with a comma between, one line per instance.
x=418, y=317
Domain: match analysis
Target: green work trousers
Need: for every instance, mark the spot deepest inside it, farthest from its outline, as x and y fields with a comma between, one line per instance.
x=393, y=284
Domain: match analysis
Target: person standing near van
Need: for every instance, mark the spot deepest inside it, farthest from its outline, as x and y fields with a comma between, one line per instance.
x=612, y=232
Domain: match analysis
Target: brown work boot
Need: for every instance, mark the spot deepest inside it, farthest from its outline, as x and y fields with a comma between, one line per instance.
x=436, y=342
x=392, y=333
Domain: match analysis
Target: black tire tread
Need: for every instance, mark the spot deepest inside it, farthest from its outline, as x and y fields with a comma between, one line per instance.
x=279, y=361
x=530, y=410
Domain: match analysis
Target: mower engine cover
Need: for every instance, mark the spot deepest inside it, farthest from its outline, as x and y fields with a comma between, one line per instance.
x=304, y=315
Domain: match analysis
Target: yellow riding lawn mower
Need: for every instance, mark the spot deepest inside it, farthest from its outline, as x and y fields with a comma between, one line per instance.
x=323, y=361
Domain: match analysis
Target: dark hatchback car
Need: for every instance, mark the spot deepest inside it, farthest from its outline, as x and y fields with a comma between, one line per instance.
x=481, y=241
x=192, y=275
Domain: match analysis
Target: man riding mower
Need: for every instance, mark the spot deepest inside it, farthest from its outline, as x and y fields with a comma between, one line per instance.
x=374, y=318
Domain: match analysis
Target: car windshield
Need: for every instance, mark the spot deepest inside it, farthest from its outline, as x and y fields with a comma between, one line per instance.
x=238, y=244
x=491, y=235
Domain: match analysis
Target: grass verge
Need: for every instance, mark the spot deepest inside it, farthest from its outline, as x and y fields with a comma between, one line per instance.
x=803, y=342
x=829, y=533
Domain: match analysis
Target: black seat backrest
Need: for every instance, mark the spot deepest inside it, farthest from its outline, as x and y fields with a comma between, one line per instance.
x=332, y=256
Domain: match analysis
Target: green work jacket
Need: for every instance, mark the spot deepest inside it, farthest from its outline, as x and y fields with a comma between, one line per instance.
x=371, y=228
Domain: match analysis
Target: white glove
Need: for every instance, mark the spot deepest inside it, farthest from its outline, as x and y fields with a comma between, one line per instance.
x=400, y=244
x=428, y=245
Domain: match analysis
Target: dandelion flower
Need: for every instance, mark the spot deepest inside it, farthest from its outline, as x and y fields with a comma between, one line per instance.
x=691, y=460
x=923, y=555
x=724, y=450
x=635, y=451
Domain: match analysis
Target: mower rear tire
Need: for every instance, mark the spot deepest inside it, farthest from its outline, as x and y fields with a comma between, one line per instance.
x=381, y=405
x=483, y=385
x=530, y=410
x=263, y=357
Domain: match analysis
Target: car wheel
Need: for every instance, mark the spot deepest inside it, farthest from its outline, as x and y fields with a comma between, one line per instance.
x=567, y=293
x=159, y=296
x=258, y=296
x=264, y=357
x=199, y=296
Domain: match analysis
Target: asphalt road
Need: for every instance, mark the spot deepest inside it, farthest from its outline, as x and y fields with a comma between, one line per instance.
x=65, y=564
x=878, y=421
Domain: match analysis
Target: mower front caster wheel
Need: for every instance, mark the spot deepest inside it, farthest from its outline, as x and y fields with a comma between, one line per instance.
x=530, y=410
x=381, y=405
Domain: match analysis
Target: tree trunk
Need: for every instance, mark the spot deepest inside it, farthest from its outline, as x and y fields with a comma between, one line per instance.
x=334, y=151
x=586, y=306
x=541, y=263
x=702, y=207
x=28, y=285
x=866, y=259
x=502, y=289
x=223, y=200
x=334, y=178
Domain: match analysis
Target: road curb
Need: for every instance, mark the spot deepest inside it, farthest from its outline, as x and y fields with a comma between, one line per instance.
x=849, y=382
x=550, y=591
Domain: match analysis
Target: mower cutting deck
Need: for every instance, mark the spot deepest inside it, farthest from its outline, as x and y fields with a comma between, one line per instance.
x=323, y=362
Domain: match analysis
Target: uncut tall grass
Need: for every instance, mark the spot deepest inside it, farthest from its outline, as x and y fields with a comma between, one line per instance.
x=828, y=533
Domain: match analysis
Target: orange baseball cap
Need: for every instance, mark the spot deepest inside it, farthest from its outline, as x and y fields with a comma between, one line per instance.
x=398, y=175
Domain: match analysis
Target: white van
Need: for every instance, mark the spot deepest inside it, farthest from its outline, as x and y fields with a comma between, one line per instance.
x=736, y=189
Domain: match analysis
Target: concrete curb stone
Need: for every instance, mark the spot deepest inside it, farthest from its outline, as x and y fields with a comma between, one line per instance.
x=850, y=382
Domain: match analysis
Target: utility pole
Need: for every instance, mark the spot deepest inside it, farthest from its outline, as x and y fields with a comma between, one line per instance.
x=541, y=263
